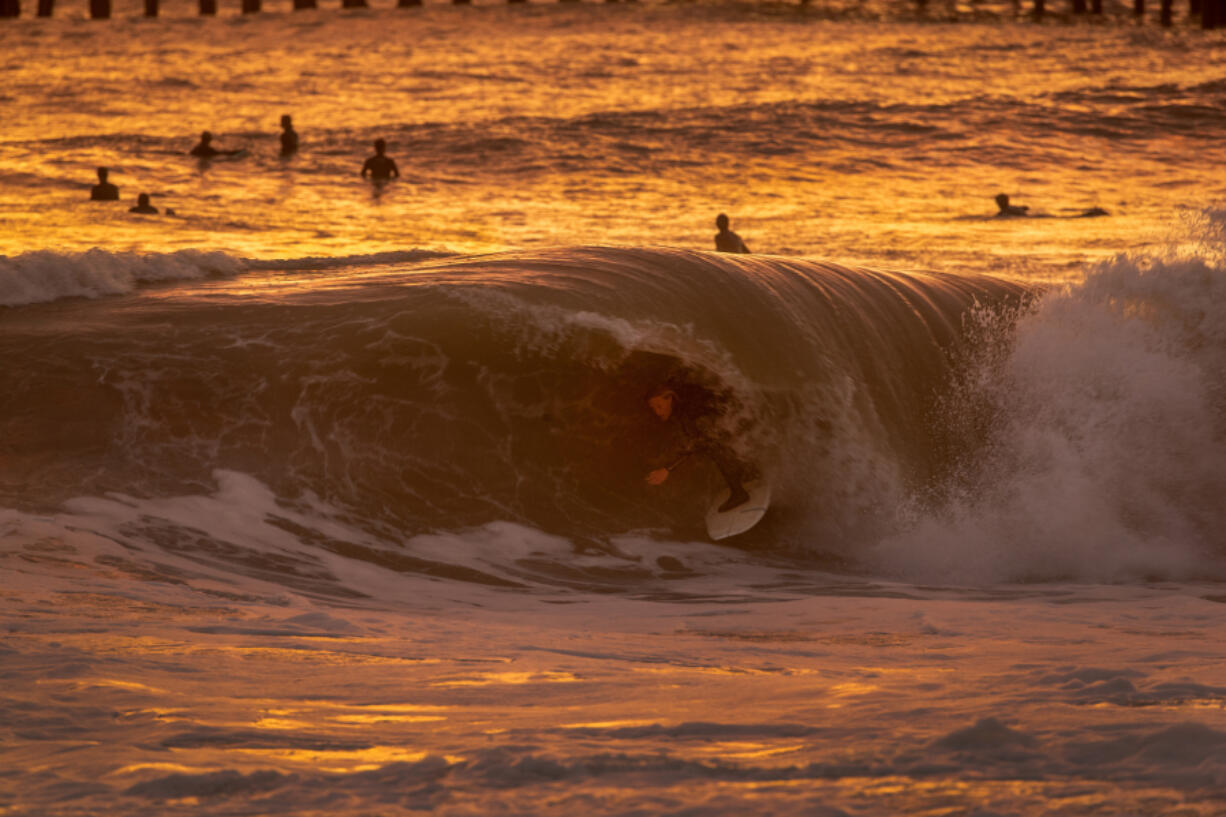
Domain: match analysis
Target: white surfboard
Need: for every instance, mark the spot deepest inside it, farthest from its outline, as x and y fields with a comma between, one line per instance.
x=743, y=516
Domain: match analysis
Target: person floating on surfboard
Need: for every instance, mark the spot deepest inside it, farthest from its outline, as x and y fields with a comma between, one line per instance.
x=697, y=411
x=1008, y=210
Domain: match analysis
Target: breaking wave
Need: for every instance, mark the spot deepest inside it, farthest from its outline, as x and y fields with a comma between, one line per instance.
x=419, y=413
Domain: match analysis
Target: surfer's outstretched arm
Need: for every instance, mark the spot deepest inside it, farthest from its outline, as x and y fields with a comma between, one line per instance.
x=658, y=476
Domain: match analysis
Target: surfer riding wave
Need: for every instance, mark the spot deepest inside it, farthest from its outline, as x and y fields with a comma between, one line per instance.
x=696, y=411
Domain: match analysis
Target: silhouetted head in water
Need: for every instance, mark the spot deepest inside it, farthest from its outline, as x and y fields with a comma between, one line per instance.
x=143, y=205
x=104, y=190
x=289, y=137
x=726, y=240
x=205, y=137
x=1007, y=209
x=380, y=147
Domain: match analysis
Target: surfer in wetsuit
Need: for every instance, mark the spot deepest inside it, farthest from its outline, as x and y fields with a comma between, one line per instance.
x=380, y=167
x=205, y=149
x=726, y=240
x=289, y=136
x=1007, y=209
x=696, y=411
x=103, y=190
x=143, y=206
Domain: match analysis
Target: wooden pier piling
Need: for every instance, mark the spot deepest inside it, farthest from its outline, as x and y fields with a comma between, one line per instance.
x=208, y=8
x=151, y=8
x=99, y=9
x=1167, y=13
x=405, y=4
x=353, y=4
x=46, y=8
x=10, y=8
x=1212, y=14
x=1039, y=8
x=301, y=5
x=251, y=6
x=1138, y=8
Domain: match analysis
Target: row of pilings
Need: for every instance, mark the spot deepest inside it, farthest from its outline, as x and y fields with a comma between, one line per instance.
x=1212, y=13
x=101, y=9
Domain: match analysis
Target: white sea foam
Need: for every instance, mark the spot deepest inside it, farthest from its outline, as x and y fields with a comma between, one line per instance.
x=44, y=275
x=1107, y=456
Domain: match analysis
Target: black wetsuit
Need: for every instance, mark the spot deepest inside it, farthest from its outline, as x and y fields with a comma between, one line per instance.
x=697, y=411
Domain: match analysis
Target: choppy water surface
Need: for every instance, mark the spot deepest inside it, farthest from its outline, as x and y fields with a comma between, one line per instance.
x=860, y=140
x=321, y=499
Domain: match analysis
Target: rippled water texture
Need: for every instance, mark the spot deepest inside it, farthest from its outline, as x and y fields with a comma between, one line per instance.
x=858, y=140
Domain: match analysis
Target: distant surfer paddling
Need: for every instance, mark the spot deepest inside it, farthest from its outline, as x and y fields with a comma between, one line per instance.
x=726, y=240
x=1007, y=210
x=380, y=167
x=205, y=149
x=696, y=411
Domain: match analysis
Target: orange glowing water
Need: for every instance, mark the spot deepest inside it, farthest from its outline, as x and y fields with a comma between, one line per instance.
x=863, y=141
x=233, y=575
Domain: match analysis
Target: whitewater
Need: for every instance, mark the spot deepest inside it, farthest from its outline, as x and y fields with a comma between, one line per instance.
x=324, y=498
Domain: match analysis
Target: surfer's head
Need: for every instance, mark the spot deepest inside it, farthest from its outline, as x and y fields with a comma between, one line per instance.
x=662, y=401
x=721, y=222
x=1002, y=201
x=102, y=174
x=286, y=121
x=206, y=137
x=380, y=146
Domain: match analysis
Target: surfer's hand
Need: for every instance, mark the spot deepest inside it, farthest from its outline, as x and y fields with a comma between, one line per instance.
x=657, y=476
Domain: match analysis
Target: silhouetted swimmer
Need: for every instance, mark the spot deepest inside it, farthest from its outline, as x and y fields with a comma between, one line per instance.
x=103, y=190
x=143, y=206
x=205, y=149
x=1007, y=209
x=289, y=136
x=697, y=411
x=725, y=239
x=380, y=167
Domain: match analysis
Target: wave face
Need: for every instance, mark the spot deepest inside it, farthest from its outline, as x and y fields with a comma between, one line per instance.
x=459, y=392
x=466, y=411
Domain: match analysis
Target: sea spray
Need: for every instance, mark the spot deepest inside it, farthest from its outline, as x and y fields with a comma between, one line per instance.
x=1105, y=453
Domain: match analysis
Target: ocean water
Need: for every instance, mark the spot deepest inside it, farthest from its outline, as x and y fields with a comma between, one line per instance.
x=324, y=498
